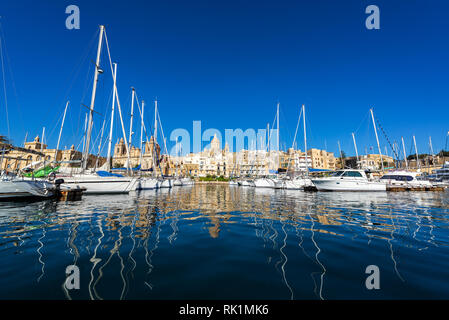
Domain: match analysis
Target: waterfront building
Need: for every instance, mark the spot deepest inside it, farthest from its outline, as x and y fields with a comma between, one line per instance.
x=67, y=158
x=321, y=159
x=151, y=151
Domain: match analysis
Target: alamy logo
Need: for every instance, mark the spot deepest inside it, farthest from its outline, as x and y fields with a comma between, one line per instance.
x=373, y=280
x=73, y=20
x=373, y=20
x=73, y=277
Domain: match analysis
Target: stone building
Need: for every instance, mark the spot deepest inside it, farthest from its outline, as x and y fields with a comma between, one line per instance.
x=16, y=160
x=120, y=157
x=321, y=159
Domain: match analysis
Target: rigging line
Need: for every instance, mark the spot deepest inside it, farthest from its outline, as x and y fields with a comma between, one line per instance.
x=362, y=122
x=118, y=102
x=77, y=66
x=140, y=113
x=8, y=64
x=284, y=120
x=386, y=137
x=294, y=140
x=86, y=84
x=162, y=131
x=4, y=88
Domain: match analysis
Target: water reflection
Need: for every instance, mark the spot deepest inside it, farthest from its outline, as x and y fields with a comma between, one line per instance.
x=131, y=246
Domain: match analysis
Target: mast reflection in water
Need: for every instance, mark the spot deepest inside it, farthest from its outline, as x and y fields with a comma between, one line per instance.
x=220, y=242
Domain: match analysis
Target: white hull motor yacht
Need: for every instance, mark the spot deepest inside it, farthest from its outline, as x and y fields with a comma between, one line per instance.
x=403, y=178
x=20, y=188
x=102, y=182
x=348, y=180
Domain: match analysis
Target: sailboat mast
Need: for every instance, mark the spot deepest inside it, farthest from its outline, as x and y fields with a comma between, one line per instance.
x=132, y=115
x=377, y=139
x=85, y=129
x=431, y=150
x=141, y=134
x=154, y=151
x=356, y=152
x=26, y=136
x=418, y=165
x=305, y=137
x=155, y=121
x=277, y=136
x=405, y=154
x=341, y=156
x=268, y=137
x=108, y=159
x=60, y=130
x=92, y=102
x=42, y=140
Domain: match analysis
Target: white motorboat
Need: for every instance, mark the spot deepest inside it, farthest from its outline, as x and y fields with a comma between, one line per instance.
x=20, y=188
x=264, y=183
x=403, y=178
x=348, y=180
x=102, y=182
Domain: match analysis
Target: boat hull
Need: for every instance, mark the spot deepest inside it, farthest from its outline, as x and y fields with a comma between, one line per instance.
x=147, y=184
x=12, y=190
x=347, y=185
x=102, y=185
x=264, y=183
x=166, y=183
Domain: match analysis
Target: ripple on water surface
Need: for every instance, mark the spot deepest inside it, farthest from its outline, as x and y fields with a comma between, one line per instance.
x=220, y=242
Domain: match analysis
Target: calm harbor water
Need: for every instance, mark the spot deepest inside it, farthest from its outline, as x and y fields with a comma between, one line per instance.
x=221, y=242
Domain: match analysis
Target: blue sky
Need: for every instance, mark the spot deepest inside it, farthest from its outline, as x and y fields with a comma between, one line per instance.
x=227, y=63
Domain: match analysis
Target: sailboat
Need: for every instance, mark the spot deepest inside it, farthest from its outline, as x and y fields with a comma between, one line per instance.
x=273, y=181
x=101, y=182
x=296, y=182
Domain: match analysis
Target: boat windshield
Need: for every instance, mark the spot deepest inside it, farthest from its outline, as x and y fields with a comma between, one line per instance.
x=337, y=173
x=397, y=177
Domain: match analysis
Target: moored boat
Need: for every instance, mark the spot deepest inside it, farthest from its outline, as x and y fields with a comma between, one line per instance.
x=348, y=180
x=102, y=182
x=19, y=188
x=404, y=178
